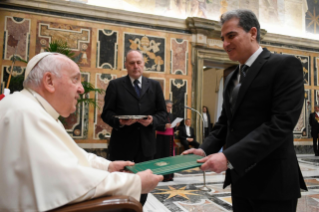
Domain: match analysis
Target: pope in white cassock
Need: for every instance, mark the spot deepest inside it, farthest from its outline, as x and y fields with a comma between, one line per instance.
x=41, y=167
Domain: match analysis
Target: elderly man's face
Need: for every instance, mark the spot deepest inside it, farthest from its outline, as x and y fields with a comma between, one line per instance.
x=134, y=64
x=188, y=122
x=68, y=88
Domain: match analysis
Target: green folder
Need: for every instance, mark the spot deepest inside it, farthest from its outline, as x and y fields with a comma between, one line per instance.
x=167, y=165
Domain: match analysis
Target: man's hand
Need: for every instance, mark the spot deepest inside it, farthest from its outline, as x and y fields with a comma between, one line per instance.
x=194, y=151
x=168, y=126
x=214, y=162
x=190, y=139
x=117, y=166
x=145, y=122
x=149, y=180
x=127, y=122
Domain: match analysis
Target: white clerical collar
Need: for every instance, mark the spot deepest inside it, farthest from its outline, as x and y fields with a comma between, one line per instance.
x=253, y=57
x=317, y=113
x=46, y=105
x=139, y=79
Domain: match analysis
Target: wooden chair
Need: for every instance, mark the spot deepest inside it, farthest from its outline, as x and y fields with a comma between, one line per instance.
x=104, y=204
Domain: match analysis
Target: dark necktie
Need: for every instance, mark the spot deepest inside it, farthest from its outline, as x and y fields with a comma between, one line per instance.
x=234, y=94
x=137, y=88
x=243, y=71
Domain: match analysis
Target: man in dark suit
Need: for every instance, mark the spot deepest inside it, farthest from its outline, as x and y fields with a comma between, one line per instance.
x=133, y=139
x=261, y=107
x=187, y=136
x=314, y=123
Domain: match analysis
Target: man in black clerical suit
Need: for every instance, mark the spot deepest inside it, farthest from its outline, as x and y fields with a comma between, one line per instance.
x=314, y=123
x=262, y=104
x=187, y=136
x=133, y=94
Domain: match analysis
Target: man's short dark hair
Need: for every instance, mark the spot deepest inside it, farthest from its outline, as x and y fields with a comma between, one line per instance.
x=247, y=20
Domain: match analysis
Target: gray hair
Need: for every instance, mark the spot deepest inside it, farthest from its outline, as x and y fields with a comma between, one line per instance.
x=247, y=20
x=168, y=101
x=50, y=64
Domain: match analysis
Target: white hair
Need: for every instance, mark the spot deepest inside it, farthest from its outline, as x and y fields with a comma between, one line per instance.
x=51, y=63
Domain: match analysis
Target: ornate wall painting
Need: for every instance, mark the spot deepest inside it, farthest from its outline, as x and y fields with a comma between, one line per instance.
x=161, y=82
x=101, y=129
x=316, y=97
x=315, y=71
x=302, y=128
x=312, y=17
x=306, y=64
x=78, y=39
x=107, y=48
x=16, y=38
x=17, y=78
x=179, y=56
x=77, y=123
x=178, y=95
x=153, y=49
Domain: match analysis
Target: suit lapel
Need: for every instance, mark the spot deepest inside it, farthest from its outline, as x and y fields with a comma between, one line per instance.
x=228, y=85
x=145, y=85
x=127, y=84
x=250, y=76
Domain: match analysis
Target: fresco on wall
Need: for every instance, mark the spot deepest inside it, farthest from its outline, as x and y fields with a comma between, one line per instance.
x=179, y=56
x=312, y=17
x=101, y=129
x=107, y=48
x=178, y=95
x=302, y=128
x=316, y=64
x=153, y=49
x=78, y=39
x=276, y=16
x=77, y=123
x=17, y=78
x=16, y=37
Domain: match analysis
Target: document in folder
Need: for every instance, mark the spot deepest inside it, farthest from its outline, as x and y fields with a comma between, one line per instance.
x=167, y=165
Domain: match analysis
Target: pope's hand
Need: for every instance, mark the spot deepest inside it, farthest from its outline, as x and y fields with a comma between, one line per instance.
x=194, y=151
x=149, y=180
x=117, y=166
x=214, y=162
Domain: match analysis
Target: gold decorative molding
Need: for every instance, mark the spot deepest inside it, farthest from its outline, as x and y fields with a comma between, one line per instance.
x=98, y=12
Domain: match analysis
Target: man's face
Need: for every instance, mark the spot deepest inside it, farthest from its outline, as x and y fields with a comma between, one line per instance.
x=236, y=42
x=317, y=109
x=68, y=88
x=169, y=107
x=188, y=122
x=134, y=64
x=204, y=109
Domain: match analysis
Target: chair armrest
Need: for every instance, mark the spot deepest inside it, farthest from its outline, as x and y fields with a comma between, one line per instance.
x=107, y=204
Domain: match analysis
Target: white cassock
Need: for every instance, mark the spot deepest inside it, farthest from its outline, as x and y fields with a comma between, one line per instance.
x=41, y=167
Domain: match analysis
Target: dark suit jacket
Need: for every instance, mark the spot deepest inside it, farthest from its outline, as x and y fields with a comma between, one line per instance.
x=258, y=135
x=314, y=125
x=121, y=99
x=183, y=135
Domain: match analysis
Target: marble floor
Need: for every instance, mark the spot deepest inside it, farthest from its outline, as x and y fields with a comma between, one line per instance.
x=186, y=192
